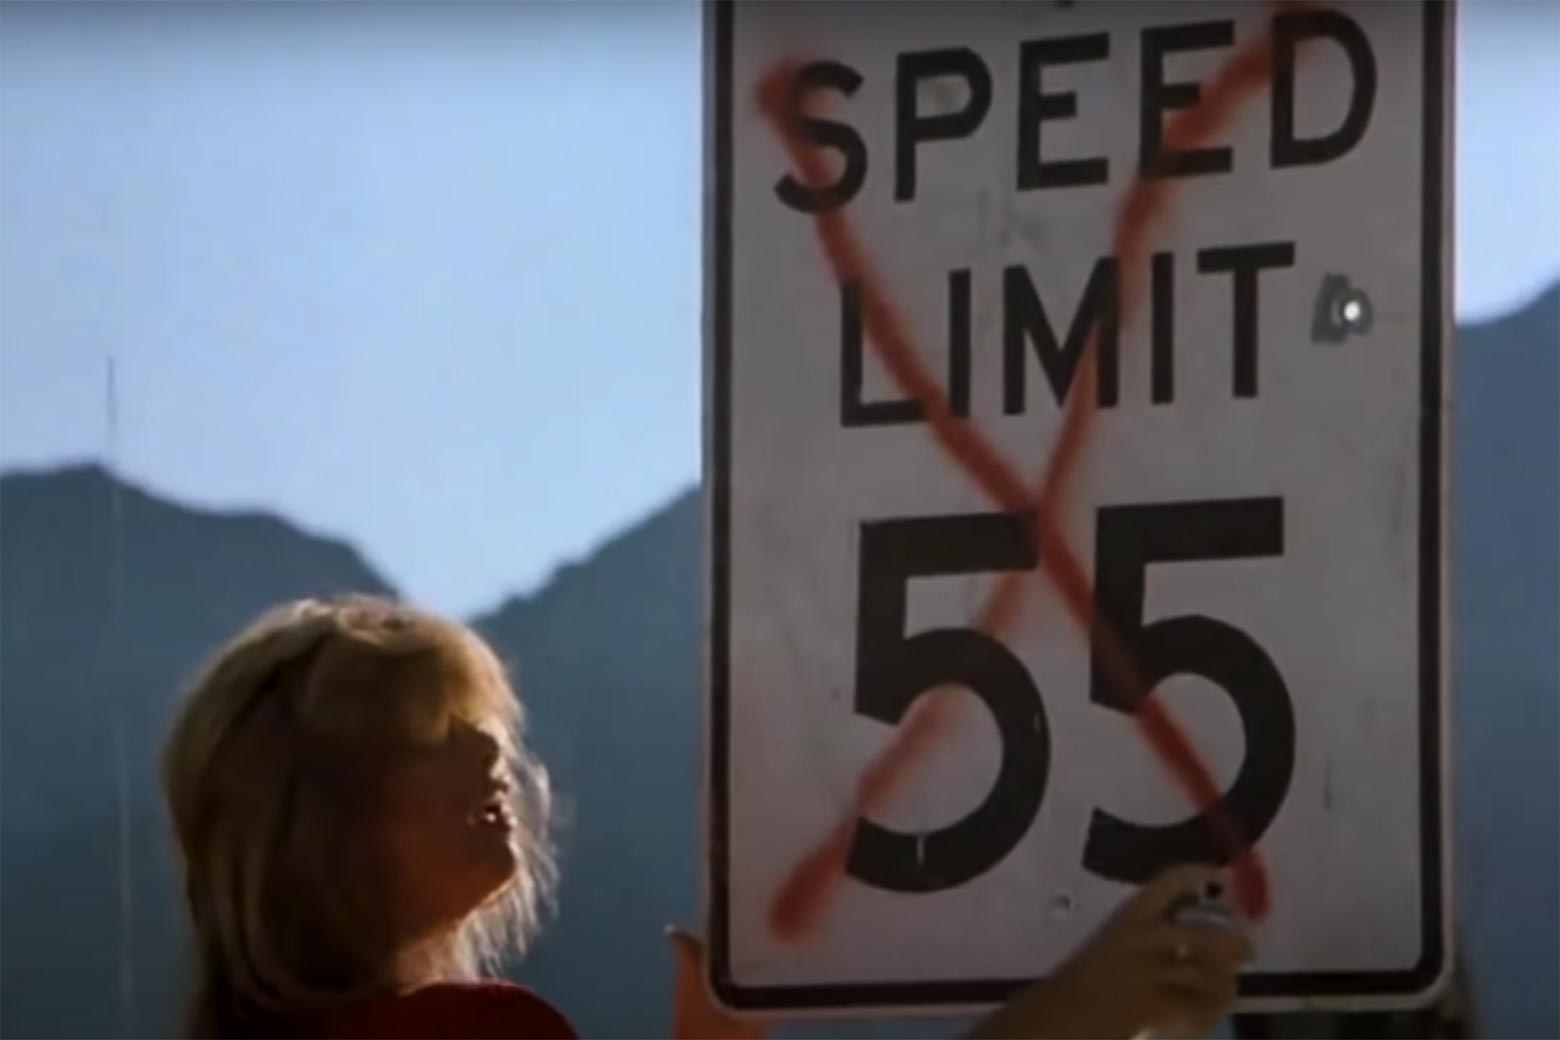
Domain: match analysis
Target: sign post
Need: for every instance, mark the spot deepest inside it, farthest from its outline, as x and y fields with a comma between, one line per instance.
x=1075, y=477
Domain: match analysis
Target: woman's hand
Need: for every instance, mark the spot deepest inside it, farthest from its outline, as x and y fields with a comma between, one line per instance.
x=694, y=1015
x=1140, y=974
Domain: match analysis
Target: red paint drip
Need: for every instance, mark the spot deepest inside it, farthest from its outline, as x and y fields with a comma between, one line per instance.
x=809, y=887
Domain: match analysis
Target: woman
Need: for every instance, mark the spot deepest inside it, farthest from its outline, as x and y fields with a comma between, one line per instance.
x=365, y=838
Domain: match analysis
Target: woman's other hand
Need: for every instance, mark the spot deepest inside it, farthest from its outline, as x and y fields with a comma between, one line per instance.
x=1141, y=973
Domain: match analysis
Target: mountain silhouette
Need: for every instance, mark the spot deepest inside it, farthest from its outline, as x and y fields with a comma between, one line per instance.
x=1505, y=548
x=111, y=597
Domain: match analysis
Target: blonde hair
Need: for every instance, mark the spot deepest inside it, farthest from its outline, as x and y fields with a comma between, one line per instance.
x=272, y=776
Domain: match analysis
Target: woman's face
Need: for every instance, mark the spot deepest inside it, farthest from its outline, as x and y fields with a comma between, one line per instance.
x=449, y=829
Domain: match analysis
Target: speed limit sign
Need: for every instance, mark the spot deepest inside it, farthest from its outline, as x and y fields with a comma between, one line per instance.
x=1075, y=397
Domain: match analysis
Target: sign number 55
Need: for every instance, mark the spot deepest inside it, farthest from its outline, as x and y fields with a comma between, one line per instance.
x=893, y=670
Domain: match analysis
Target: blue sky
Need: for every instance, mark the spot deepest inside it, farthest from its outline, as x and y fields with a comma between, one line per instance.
x=428, y=277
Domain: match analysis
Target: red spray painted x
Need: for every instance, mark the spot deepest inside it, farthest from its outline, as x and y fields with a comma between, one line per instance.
x=803, y=898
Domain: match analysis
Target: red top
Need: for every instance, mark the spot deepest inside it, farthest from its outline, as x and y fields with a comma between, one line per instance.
x=472, y=1010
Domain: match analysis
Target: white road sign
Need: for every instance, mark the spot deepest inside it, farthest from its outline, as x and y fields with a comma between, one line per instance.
x=1210, y=242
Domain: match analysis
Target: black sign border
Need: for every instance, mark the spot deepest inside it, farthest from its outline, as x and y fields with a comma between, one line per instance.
x=1410, y=986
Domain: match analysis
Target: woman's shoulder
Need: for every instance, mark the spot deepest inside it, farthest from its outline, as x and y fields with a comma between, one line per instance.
x=487, y=1010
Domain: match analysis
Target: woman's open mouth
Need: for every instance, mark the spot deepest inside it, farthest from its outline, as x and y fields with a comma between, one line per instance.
x=494, y=812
